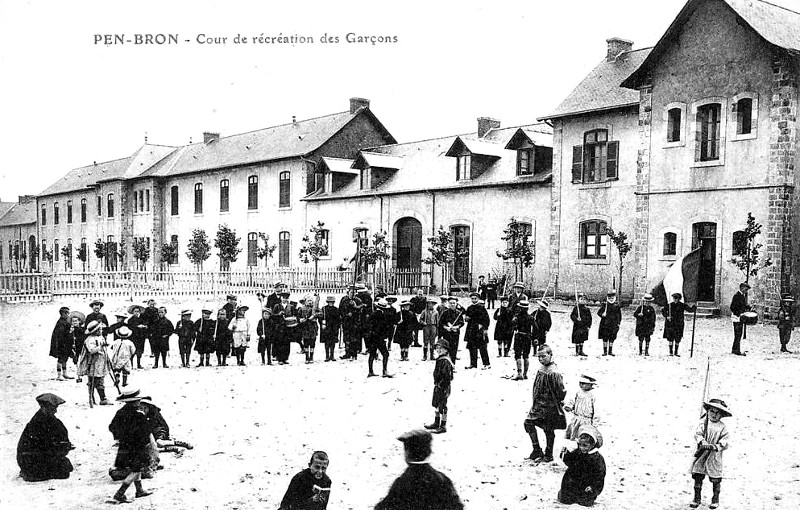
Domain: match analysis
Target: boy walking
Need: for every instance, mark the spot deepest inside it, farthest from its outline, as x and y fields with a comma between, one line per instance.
x=547, y=411
x=442, y=377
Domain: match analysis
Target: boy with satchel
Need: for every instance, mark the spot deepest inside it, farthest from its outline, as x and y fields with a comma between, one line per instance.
x=547, y=411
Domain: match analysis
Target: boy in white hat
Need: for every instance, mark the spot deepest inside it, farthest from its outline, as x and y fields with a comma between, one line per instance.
x=122, y=355
x=711, y=437
x=610, y=319
x=645, y=316
x=93, y=362
x=581, y=406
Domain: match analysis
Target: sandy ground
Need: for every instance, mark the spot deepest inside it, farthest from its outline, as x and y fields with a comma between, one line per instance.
x=254, y=427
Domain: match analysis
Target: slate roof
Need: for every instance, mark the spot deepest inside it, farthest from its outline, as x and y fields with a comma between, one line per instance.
x=425, y=165
x=5, y=207
x=19, y=214
x=600, y=89
x=776, y=24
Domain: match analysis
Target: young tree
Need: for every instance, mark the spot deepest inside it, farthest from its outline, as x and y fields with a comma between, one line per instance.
x=266, y=252
x=620, y=240
x=66, y=252
x=100, y=250
x=198, y=248
x=748, y=252
x=518, y=246
x=169, y=254
x=141, y=252
x=119, y=251
x=47, y=256
x=375, y=254
x=314, y=247
x=82, y=254
x=228, y=246
x=442, y=252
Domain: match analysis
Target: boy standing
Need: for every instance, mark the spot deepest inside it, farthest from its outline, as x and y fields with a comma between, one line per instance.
x=581, y=322
x=138, y=326
x=123, y=352
x=491, y=293
x=442, y=377
x=429, y=319
x=309, y=489
x=610, y=318
x=522, y=323
x=97, y=315
x=240, y=334
x=161, y=331
x=503, y=328
x=204, y=328
x=186, y=335
x=547, y=410
x=93, y=362
x=61, y=343
x=541, y=322
x=645, y=316
x=673, y=326
x=330, y=322
x=475, y=336
x=450, y=322
x=712, y=439
x=785, y=322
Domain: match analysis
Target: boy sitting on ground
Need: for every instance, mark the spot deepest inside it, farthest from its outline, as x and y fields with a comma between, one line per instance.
x=310, y=488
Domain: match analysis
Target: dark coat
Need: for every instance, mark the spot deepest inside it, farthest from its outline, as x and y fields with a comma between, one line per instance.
x=61, y=342
x=150, y=316
x=609, y=325
x=407, y=324
x=452, y=317
x=185, y=331
x=421, y=487
x=272, y=300
x=674, y=313
x=442, y=378
x=477, y=325
x=739, y=304
x=138, y=334
x=158, y=425
x=43, y=447
x=265, y=330
x=503, y=329
x=129, y=426
x=160, y=332
x=418, y=304
x=330, y=321
x=300, y=493
x=541, y=325
x=645, y=320
x=581, y=322
x=583, y=470
x=380, y=326
x=204, y=333
x=224, y=339
x=98, y=316
x=78, y=335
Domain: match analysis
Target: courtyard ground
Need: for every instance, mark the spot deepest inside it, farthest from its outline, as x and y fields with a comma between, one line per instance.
x=254, y=427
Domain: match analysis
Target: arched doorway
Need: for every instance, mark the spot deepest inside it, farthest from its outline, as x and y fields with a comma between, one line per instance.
x=408, y=243
x=32, y=253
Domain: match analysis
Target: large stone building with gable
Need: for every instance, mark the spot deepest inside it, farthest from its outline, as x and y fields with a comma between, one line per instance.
x=18, y=246
x=675, y=144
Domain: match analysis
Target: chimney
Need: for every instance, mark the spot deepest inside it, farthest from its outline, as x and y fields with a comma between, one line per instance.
x=210, y=137
x=357, y=103
x=485, y=124
x=617, y=46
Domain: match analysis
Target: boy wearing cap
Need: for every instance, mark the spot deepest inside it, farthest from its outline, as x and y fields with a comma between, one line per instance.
x=712, y=439
x=204, y=328
x=610, y=319
x=62, y=343
x=542, y=322
x=645, y=316
x=350, y=310
x=283, y=339
x=122, y=355
x=120, y=317
x=581, y=322
x=307, y=317
x=429, y=319
x=420, y=486
x=406, y=325
x=477, y=319
x=150, y=316
x=442, y=379
x=546, y=412
x=379, y=328
x=240, y=334
x=230, y=307
x=330, y=322
x=516, y=294
x=265, y=330
x=522, y=324
x=131, y=429
x=503, y=327
x=418, y=305
x=161, y=331
x=309, y=489
x=186, y=335
x=97, y=315
x=43, y=446
x=222, y=338
x=738, y=307
x=77, y=335
x=450, y=322
x=138, y=326
x=93, y=362
x=786, y=321
x=673, y=325
x=491, y=293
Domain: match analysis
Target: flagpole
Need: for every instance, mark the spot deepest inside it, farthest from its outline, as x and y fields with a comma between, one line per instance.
x=694, y=321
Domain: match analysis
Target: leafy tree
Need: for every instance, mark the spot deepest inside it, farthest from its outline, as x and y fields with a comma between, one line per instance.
x=228, y=246
x=266, y=252
x=748, y=258
x=442, y=252
x=141, y=252
x=198, y=248
x=518, y=246
x=119, y=251
x=376, y=253
x=100, y=250
x=314, y=247
x=47, y=256
x=66, y=252
x=82, y=254
x=169, y=253
x=620, y=240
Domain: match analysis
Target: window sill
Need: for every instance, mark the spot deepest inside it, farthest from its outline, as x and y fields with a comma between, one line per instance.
x=197, y=214
x=525, y=175
x=749, y=136
x=592, y=262
x=252, y=210
x=678, y=143
x=706, y=164
x=595, y=185
x=285, y=208
x=668, y=258
x=226, y=211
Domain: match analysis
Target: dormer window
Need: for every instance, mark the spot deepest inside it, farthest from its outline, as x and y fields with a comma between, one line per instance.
x=525, y=161
x=463, y=163
x=365, y=178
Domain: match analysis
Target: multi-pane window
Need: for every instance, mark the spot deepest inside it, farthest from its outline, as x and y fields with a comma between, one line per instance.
x=674, y=125
x=284, y=189
x=56, y=251
x=55, y=213
x=224, y=195
x=147, y=200
x=365, y=178
x=69, y=211
x=462, y=167
x=594, y=240
x=708, y=132
x=68, y=254
x=83, y=210
x=111, y=254
x=252, y=192
x=744, y=116
x=283, y=249
x=670, y=244
x=596, y=159
x=85, y=251
x=252, y=249
x=135, y=201
x=739, y=243
x=140, y=194
x=44, y=214
x=99, y=205
x=525, y=161
x=41, y=253
x=173, y=194
x=198, y=198
x=325, y=239
x=110, y=206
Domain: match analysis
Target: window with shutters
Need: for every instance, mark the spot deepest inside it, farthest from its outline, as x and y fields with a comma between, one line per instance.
x=252, y=192
x=284, y=189
x=147, y=200
x=83, y=210
x=55, y=213
x=596, y=160
x=593, y=240
x=252, y=249
x=69, y=211
x=283, y=249
x=670, y=244
x=135, y=201
x=110, y=205
x=708, y=132
x=173, y=194
x=141, y=200
x=224, y=195
x=198, y=198
x=43, y=218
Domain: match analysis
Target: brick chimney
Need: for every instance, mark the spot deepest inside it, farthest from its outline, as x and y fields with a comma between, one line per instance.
x=210, y=137
x=617, y=46
x=485, y=124
x=357, y=103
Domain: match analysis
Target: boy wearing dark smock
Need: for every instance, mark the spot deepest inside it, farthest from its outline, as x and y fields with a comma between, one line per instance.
x=186, y=335
x=330, y=322
x=442, y=378
x=645, y=316
x=475, y=336
x=161, y=331
x=547, y=412
x=581, y=322
x=610, y=319
x=309, y=489
x=204, y=328
x=450, y=322
x=62, y=343
x=43, y=446
x=503, y=327
x=674, y=323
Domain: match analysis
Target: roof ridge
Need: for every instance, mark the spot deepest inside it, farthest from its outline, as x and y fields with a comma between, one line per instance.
x=779, y=6
x=101, y=163
x=275, y=126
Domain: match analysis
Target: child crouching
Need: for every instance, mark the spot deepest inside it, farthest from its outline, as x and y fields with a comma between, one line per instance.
x=586, y=469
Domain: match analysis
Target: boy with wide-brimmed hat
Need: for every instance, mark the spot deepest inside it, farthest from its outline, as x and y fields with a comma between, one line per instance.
x=786, y=321
x=93, y=362
x=265, y=330
x=131, y=429
x=283, y=339
x=739, y=305
x=186, y=336
x=97, y=315
x=442, y=378
x=581, y=406
x=645, y=316
x=711, y=437
x=122, y=353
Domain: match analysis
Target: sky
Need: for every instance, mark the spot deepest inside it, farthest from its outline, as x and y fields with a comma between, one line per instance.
x=67, y=100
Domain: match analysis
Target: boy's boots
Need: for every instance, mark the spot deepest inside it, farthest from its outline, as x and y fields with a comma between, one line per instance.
x=641, y=342
x=714, y=495
x=371, y=373
x=577, y=349
x=519, y=370
x=59, y=377
x=670, y=349
x=605, y=348
x=527, y=364
x=647, y=348
x=582, y=353
x=425, y=353
x=698, y=489
x=64, y=371
x=102, y=393
x=611, y=349
x=442, y=425
x=676, y=349
x=434, y=425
